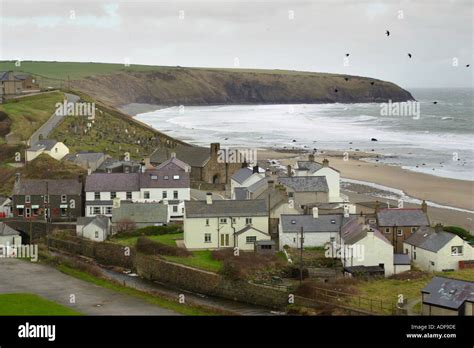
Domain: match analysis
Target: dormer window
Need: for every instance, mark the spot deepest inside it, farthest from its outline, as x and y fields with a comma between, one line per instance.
x=154, y=177
x=166, y=177
x=27, y=199
x=63, y=199
x=175, y=177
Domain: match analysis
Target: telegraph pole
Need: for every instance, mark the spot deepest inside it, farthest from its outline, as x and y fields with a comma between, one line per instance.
x=301, y=255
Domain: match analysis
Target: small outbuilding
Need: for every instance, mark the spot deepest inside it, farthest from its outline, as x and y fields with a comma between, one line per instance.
x=265, y=246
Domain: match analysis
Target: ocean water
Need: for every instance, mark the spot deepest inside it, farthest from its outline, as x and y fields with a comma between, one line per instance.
x=439, y=142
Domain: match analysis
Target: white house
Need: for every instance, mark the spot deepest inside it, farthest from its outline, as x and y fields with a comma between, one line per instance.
x=317, y=229
x=5, y=207
x=332, y=175
x=169, y=183
x=9, y=237
x=215, y=224
x=245, y=177
x=435, y=250
x=95, y=228
x=51, y=147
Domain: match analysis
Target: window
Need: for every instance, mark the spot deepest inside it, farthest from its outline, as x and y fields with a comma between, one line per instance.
x=250, y=239
x=146, y=194
x=97, y=234
x=432, y=263
x=166, y=177
x=63, y=211
x=387, y=230
x=63, y=199
x=154, y=177
x=27, y=199
x=207, y=238
x=97, y=196
x=126, y=170
x=46, y=198
x=207, y=222
x=175, y=208
x=56, y=149
x=268, y=247
x=414, y=255
x=113, y=195
x=290, y=194
x=223, y=220
x=35, y=211
x=413, y=229
x=175, y=177
x=129, y=195
x=248, y=221
x=164, y=194
x=399, y=232
x=108, y=210
x=175, y=194
x=20, y=211
x=456, y=250
x=97, y=210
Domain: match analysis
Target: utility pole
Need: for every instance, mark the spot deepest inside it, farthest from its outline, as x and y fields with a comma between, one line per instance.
x=301, y=255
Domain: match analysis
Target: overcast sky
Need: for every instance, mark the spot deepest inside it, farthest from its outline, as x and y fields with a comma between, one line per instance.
x=304, y=35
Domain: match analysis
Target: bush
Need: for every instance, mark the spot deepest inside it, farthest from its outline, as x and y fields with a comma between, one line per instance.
x=151, y=231
x=150, y=247
x=461, y=232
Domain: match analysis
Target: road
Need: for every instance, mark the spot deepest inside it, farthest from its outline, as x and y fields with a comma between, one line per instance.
x=17, y=276
x=51, y=123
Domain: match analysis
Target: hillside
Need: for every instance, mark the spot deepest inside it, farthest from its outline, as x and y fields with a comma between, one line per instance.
x=118, y=85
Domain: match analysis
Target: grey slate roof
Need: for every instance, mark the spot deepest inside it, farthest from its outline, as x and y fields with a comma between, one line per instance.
x=242, y=174
x=174, y=161
x=141, y=212
x=156, y=179
x=112, y=182
x=427, y=238
x=3, y=199
x=225, y=208
x=310, y=166
x=193, y=155
x=44, y=145
x=240, y=193
x=305, y=183
x=248, y=228
x=447, y=292
x=51, y=187
x=100, y=220
x=258, y=185
x=82, y=157
x=402, y=217
x=292, y=223
x=401, y=259
x=353, y=231
x=6, y=230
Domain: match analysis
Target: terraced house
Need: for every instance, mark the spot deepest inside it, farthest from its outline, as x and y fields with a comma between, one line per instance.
x=216, y=224
x=54, y=200
x=167, y=183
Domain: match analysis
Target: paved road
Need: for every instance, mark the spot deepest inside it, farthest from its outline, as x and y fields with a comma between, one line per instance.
x=28, y=277
x=51, y=123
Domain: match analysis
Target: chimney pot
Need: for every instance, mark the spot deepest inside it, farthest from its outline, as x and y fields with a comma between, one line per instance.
x=315, y=212
x=325, y=163
x=424, y=206
x=209, y=198
x=288, y=167
x=311, y=157
x=255, y=170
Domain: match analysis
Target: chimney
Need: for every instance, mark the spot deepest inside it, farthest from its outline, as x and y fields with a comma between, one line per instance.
x=438, y=228
x=209, y=198
x=288, y=168
x=361, y=219
x=311, y=157
x=255, y=170
x=376, y=207
x=424, y=207
x=325, y=163
x=215, y=147
x=370, y=232
x=271, y=183
x=173, y=155
x=315, y=212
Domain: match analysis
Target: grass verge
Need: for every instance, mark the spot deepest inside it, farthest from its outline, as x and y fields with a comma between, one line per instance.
x=31, y=304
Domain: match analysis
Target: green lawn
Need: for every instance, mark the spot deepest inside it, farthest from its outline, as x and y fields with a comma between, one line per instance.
x=200, y=259
x=159, y=301
x=168, y=239
x=29, y=113
x=30, y=304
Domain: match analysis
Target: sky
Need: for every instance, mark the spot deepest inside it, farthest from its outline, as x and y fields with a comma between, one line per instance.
x=295, y=35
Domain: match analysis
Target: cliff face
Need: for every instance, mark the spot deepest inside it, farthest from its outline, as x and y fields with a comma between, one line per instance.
x=194, y=86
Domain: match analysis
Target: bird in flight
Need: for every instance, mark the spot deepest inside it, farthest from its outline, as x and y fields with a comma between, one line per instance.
x=346, y=78
x=387, y=33
x=468, y=65
x=409, y=55
x=347, y=54
x=435, y=102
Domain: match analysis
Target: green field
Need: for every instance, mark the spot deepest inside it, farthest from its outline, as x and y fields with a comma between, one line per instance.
x=200, y=259
x=168, y=239
x=30, y=304
x=29, y=113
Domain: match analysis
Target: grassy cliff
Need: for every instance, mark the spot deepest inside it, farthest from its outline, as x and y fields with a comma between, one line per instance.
x=118, y=85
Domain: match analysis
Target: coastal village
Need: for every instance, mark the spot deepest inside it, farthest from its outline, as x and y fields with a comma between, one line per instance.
x=179, y=214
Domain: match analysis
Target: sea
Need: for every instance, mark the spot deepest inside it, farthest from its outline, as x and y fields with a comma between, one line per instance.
x=435, y=136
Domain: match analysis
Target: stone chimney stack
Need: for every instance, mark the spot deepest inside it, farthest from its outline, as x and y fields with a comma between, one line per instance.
x=438, y=228
x=215, y=147
x=173, y=155
x=325, y=163
x=361, y=219
x=311, y=157
x=376, y=207
x=424, y=206
x=255, y=170
x=288, y=168
x=209, y=198
x=315, y=212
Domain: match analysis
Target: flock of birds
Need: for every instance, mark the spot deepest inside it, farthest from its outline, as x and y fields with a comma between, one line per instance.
x=387, y=33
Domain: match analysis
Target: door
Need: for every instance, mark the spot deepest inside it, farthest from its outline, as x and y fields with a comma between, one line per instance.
x=225, y=240
x=28, y=212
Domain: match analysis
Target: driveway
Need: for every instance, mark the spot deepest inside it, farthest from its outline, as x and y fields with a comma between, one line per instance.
x=28, y=277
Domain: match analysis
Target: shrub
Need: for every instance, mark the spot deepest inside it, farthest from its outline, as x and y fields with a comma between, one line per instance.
x=150, y=247
x=151, y=231
x=125, y=225
x=461, y=232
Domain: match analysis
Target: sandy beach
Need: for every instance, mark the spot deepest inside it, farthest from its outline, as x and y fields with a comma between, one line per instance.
x=443, y=191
